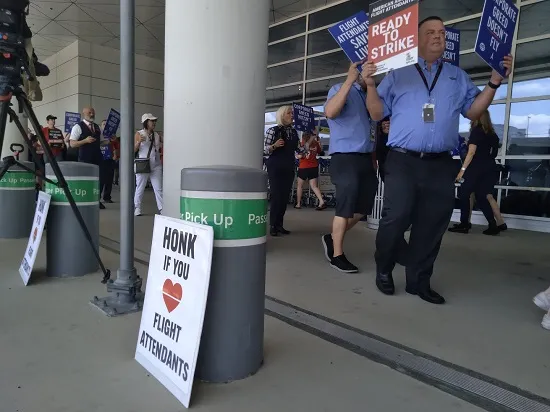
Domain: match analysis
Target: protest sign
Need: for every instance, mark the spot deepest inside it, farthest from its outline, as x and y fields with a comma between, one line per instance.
x=304, y=119
x=452, y=46
x=175, y=302
x=496, y=31
x=352, y=36
x=393, y=34
x=70, y=120
x=112, y=123
x=40, y=215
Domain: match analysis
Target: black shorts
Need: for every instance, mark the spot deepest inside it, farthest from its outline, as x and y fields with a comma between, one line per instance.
x=354, y=178
x=309, y=173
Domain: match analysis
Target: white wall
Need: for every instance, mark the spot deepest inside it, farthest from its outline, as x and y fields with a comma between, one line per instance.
x=85, y=74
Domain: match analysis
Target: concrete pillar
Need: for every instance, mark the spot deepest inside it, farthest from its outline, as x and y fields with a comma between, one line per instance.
x=13, y=135
x=214, y=93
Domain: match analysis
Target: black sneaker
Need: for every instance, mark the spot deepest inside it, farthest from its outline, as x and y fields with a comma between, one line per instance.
x=328, y=246
x=342, y=264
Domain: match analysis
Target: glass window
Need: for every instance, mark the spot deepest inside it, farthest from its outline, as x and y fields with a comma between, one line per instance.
x=281, y=96
x=529, y=131
x=321, y=41
x=450, y=9
x=286, y=73
x=532, y=61
x=327, y=65
x=316, y=92
x=287, y=50
x=480, y=73
x=497, y=117
x=531, y=88
x=526, y=173
x=533, y=20
x=337, y=13
x=468, y=30
x=525, y=203
x=270, y=117
x=291, y=28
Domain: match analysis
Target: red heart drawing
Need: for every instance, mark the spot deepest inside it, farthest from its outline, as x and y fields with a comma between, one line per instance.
x=171, y=293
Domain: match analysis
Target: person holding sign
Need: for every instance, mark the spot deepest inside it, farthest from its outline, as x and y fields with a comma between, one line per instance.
x=351, y=167
x=281, y=144
x=107, y=168
x=55, y=139
x=424, y=101
x=308, y=168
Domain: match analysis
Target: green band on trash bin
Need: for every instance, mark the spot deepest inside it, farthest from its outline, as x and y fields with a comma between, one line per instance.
x=85, y=191
x=18, y=180
x=238, y=218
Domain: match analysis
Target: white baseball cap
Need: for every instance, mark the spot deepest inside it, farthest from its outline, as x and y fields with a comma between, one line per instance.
x=148, y=116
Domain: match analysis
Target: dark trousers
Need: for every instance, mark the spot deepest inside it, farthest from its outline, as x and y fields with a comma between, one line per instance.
x=280, y=185
x=107, y=175
x=481, y=183
x=421, y=193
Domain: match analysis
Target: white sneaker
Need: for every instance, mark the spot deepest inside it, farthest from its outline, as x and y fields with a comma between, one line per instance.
x=546, y=321
x=542, y=300
x=137, y=212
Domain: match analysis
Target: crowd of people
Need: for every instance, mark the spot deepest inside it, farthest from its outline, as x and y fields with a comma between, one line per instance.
x=86, y=142
x=417, y=111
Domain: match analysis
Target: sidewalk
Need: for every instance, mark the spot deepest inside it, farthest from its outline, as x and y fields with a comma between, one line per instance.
x=59, y=354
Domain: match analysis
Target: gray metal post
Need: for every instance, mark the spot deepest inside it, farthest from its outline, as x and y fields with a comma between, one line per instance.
x=17, y=202
x=125, y=291
x=233, y=200
x=67, y=249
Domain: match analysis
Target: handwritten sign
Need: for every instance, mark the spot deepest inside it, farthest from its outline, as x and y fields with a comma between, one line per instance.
x=40, y=215
x=304, y=119
x=496, y=30
x=393, y=34
x=175, y=302
x=352, y=36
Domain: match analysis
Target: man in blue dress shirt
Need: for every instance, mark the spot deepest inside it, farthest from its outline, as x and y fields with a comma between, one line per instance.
x=424, y=101
x=351, y=167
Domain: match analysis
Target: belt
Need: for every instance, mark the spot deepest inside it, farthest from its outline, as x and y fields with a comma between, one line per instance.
x=421, y=155
x=352, y=154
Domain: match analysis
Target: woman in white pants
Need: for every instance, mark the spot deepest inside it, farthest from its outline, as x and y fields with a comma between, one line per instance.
x=142, y=147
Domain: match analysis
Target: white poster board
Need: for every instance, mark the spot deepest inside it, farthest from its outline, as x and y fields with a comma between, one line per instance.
x=175, y=302
x=40, y=215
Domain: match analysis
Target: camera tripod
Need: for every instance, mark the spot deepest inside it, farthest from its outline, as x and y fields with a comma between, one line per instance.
x=9, y=161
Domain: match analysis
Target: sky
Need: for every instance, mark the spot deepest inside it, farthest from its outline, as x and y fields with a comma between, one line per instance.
x=536, y=114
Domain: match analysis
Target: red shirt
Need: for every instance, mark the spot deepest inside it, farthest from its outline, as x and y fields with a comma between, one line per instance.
x=59, y=140
x=309, y=158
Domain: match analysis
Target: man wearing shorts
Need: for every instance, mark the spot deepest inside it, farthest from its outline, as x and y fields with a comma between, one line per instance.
x=351, y=168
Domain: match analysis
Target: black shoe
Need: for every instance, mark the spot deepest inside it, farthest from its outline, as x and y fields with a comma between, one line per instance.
x=342, y=264
x=326, y=240
x=283, y=231
x=274, y=231
x=460, y=228
x=427, y=295
x=108, y=201
x=491, y=231
x=384, y=283
x=503, y=227
x=101, y=206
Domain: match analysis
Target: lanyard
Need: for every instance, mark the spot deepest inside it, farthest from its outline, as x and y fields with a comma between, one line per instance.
x=426, y=81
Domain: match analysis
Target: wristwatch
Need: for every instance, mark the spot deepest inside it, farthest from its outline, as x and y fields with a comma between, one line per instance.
x=492, y=85
x=463, y=169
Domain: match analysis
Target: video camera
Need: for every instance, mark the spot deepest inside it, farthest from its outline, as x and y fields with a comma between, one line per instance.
x=14, y=59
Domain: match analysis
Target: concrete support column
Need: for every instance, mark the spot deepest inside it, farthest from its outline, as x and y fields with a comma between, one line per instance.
x=214, y=87
x=13, y=135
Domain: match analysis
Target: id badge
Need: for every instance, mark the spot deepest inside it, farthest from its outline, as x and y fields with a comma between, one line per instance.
x=428, y=113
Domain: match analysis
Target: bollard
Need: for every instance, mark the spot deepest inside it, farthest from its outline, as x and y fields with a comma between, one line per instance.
x=68, y=252
x=17, y=202
x=233, y=200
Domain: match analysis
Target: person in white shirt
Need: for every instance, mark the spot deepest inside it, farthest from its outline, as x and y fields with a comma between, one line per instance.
x=148, y=144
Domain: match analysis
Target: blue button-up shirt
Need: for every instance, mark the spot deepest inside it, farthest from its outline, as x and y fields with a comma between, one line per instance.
x=404, y=93
x=350, y=130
